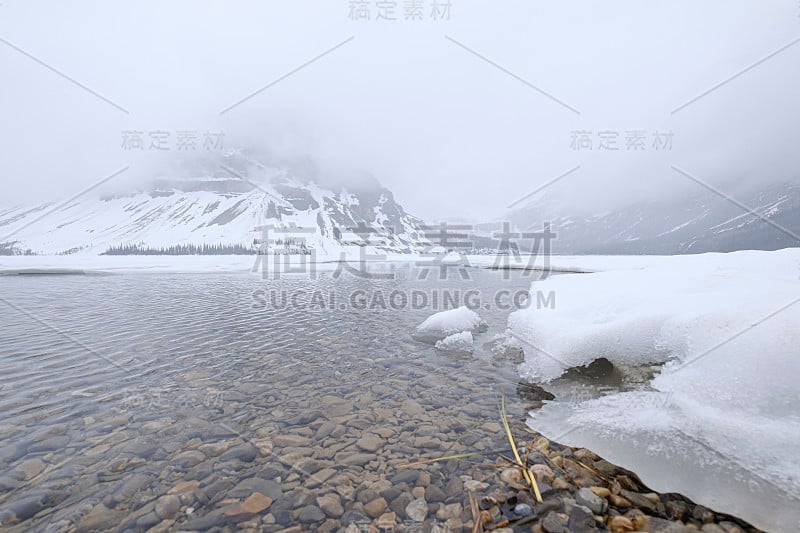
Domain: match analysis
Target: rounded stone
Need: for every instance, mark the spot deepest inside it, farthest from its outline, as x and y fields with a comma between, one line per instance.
x=417, y=510
x=310, y=514
x=167, y=506
x=376, y=507
x=523, y=509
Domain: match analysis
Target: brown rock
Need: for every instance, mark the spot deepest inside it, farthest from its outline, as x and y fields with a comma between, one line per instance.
x=560, y=483
x=376, y=507
x=620, y=524
x=543, y=473
x=619, y=501
x=293, y=441
x=638, y=519
x=331, y=505
x=256, y=502
x=184, y=486
x=387, y=521
x=167, y=506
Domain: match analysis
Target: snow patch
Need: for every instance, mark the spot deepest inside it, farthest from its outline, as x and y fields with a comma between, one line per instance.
x=443, y=324
x=457, y=342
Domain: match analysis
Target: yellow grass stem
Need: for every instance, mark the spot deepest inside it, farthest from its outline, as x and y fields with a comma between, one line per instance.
x=525, y=470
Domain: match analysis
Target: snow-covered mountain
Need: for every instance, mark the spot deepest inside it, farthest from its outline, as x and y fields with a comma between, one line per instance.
x=705, y=222
x=222, y=203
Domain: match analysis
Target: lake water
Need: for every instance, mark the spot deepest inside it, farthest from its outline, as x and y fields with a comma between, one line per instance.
x=119, y=389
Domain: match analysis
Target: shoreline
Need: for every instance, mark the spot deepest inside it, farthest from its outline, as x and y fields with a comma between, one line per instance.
x=582, y=492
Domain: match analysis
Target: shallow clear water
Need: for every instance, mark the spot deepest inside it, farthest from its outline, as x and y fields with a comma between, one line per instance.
x=106, y=380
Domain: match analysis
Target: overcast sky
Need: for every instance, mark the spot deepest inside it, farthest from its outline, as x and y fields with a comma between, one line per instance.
x=459, y=117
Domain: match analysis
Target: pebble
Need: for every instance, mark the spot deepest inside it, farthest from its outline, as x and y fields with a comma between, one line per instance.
x=451, y=510
x=417, y=510
x=523, y=509
x=511, y=475
x=434, y=494
x=370, y=442
x=184, y=486
x=291, y=441
x=543, y=473
x=189, y=459
x=552, y=523
x=591, y=500
x=309, y=514
x=28, y=470
x=376, y=507
x=620, y=524
x=405, y=476
x=167, y=506
x=331, y=505
x=474, y=485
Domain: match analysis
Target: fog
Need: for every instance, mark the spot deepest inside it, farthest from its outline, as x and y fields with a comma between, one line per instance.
x=459, y=117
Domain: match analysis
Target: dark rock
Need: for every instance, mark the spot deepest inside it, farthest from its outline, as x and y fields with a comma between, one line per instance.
x=546, y=489
x=533, y=393
x=604, y=467
x=639, y=501
x=547, y=506
x=434, y=494
x=309, y=514
x=398, y=505
x=256, y=484
x=282, y=516
x=581, y=521
x=390, y=494
x=598, y=370
x=245, y=453
x=366, y=495
x=703, y=514
x=353, y=516
x=595, y=503
x=301, y=497
x=147, y=521
x=454, y=487
x=405, y=476
x=198, y=472
x=212, y=520
x=271, y=471
x=217, y=490
x=28, y=506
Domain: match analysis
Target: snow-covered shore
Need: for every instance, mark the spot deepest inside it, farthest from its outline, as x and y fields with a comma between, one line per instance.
x=244, y=263
x=720, y=421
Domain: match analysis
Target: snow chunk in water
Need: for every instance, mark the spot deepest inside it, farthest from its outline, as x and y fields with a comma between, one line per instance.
x=457, y=342
x=440, y=325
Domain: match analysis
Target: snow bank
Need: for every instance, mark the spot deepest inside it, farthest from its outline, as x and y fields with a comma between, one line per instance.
x=457, y=342
x=722, y=418
x=674, y=309
x=440, y=325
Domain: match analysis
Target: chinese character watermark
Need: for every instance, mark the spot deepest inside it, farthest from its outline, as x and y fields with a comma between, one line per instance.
x=509, y=257
x=164, y=140
x=395, y=10
x=611, y=140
